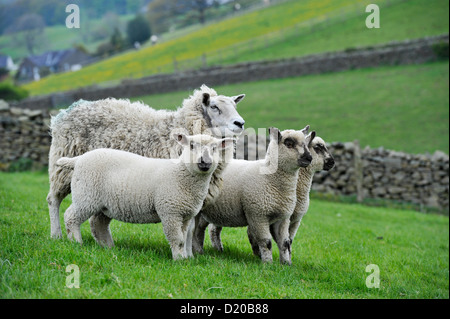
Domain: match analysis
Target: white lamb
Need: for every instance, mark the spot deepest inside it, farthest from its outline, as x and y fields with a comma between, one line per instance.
x=321, y=160
x=136, y=128
x=258, y=200
x=131, y=188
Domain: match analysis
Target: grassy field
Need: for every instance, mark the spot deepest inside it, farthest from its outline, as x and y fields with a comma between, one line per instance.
x=332, y=249
x=430, y=18
x=233, y=35
x=404, y=108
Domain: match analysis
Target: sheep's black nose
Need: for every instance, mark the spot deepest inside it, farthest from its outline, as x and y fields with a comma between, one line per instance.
x=329, y=164
x=204, y=166
x=239, y=123
x=307, y=157
x=305, y=160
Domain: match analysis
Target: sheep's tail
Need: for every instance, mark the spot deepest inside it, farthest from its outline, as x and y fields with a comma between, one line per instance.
x=67, y=162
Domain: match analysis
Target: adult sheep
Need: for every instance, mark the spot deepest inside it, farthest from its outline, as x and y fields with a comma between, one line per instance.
x=136, y=128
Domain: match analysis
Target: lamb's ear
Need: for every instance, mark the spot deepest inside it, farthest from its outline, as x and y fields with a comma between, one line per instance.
x=310, y=137
x=305, y=130
x=275, y=134
x=181, y=138
x=226, y=143
x=238, y=98
x=206, y=99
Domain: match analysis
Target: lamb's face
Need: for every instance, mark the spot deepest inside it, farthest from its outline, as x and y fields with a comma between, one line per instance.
x=293, y=149
x=322, y=158
x=220, y=113
x=201, y=153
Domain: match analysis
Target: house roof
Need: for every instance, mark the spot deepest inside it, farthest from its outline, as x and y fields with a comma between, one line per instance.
x=3, y=61
x=50, y=58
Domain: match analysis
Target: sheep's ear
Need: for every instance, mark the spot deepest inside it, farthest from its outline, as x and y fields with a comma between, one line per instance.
x=206, y=99
x=226, y=143
x=238, y=98
x=305, y=130
x=181, y=139
x=310, y=137
x=275, y=134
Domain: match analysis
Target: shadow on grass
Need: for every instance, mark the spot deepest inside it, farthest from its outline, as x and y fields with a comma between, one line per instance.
x=161, y=249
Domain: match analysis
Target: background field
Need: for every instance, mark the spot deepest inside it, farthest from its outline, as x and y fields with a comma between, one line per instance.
x=332, y=249
x=301, y=27
x=404, y=108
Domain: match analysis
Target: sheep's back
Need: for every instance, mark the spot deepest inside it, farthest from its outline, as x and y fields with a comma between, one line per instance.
x=120, y=184
x=111, y=123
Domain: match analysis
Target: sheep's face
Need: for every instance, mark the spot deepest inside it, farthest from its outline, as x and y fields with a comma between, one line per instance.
x=293, y=151
x=201, y=153
x=221, y=115
x=322, y=159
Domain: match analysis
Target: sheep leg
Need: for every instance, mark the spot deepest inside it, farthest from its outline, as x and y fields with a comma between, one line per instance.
x=261, y=233
x=59, y=188
x=274, y=228
x=293, y=227
x=199, y=234
x=255, y=246
x=189, y=234
x=73, y=223
x=53, y=208
x=173, y=229
x=214, y=235
x=281, y=229
x=100, y=229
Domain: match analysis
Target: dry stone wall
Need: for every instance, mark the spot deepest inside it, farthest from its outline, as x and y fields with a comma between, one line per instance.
x=24, y=134
x=421, y=179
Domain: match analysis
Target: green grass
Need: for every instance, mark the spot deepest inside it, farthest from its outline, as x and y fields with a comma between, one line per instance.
x=404, y=108
x=332, y=249
x=399, y=21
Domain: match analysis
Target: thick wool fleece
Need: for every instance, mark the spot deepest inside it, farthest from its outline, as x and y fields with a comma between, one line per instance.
x=114, y=184
x=120, y=124
x=257, y=200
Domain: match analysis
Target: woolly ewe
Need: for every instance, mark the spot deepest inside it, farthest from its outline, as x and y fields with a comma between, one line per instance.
x=136, y=128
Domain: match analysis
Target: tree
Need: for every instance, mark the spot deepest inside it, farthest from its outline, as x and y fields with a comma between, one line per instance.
x=200, y=6
x=161, y=14
x=117, y=40
x=138, y=30
x=28, y=30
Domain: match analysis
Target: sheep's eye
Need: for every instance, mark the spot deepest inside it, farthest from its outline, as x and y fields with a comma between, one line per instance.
x=214, y=107
x=289, y=144
x=214, y=148
x=192, y=146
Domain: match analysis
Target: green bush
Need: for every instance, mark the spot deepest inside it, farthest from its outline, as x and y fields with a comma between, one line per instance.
x=441, y=50
x=10, y=92
x=21, y=165
x=138, y=30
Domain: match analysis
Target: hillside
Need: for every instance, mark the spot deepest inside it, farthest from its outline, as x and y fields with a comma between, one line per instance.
x=404, y=108
x=315, y=21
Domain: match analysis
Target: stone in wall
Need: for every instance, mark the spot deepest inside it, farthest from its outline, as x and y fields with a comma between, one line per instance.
x=24, y=134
